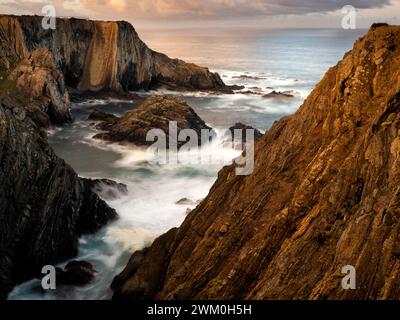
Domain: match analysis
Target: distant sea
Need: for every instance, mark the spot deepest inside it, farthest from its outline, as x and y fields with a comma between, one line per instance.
x=261, y=60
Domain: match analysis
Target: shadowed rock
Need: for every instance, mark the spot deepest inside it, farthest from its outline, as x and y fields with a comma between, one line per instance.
x=45, y=206
x=155, y=113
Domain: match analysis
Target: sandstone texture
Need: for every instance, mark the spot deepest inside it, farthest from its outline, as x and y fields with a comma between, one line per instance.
x=325, y=193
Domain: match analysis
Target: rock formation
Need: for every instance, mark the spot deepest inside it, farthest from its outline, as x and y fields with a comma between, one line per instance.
x=278, y=94
x=45, y=206
x=154, y=113
x=325, y=193
x=99, y=55
x=44, y=84
x=242, y=127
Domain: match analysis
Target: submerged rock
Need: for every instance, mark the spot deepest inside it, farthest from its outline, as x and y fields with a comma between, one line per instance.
x=185, y=202
x=324, y=194
x=155, y=113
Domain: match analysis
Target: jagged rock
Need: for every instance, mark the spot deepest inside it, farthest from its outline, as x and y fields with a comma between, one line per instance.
x=240, y=126
x=45, y=206
x=42, y=81
x=101, y=55
x=108, y=189
x=324, y=194
x=155, y=113
x=277, y=94
x=76, y=273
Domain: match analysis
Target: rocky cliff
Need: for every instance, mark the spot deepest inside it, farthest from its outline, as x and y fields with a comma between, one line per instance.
x=98, y=55
x=45, y=206
x=325, y=193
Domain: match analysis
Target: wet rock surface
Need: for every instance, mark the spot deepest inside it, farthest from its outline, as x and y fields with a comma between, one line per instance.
x=242, y=128
x=154, y=113
x=76, y=273
x=324, y=194
x=45, y=206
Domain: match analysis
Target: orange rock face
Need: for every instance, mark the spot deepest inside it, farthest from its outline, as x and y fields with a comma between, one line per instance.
x=325, y=194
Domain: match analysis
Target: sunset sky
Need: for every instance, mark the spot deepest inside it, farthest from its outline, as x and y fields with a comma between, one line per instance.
x=216, y=13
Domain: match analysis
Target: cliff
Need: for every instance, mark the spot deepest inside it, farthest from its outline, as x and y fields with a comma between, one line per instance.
x=45, y=206
x=99, y=55
x=324, y=194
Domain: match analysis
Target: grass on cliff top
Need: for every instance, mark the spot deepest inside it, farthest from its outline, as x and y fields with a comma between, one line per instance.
x=9, y=88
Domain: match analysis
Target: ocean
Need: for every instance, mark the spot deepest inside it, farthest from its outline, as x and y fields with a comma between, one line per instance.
x=291, y=61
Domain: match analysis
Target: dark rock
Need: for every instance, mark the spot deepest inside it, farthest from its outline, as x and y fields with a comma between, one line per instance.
x=98, y=115
x=236, y=87
x=107, y=189
x=45, y=206
x=247, y=77
x=240, y=126
x=76, y=273
x=379, y=25
x=185, y=202
x=155, y=113
x=277, y=94
x=77, y=96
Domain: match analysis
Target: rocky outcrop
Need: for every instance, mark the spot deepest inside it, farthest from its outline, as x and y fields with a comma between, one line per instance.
x=45, y=206
x=107, y=189
x=324, y=194
x=44, y=84
x=99, y=55
x=242, y=128
x=154, y=113
x=278, y=94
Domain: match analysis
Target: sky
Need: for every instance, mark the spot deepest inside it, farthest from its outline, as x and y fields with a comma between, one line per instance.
x=148, y=14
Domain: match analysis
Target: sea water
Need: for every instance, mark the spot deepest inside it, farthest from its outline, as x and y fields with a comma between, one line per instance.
x=261, y=60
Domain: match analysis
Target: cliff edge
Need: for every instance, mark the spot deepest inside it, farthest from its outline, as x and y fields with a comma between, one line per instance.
x=325, y=193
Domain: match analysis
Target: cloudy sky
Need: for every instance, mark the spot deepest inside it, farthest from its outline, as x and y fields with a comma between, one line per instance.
x=217, y=13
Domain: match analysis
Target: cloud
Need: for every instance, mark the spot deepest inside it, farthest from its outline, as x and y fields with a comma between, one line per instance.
x=188, y=9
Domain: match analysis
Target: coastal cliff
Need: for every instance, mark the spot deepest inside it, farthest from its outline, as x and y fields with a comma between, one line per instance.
x=45, y=206
x=100, y=55
x=324, y=194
